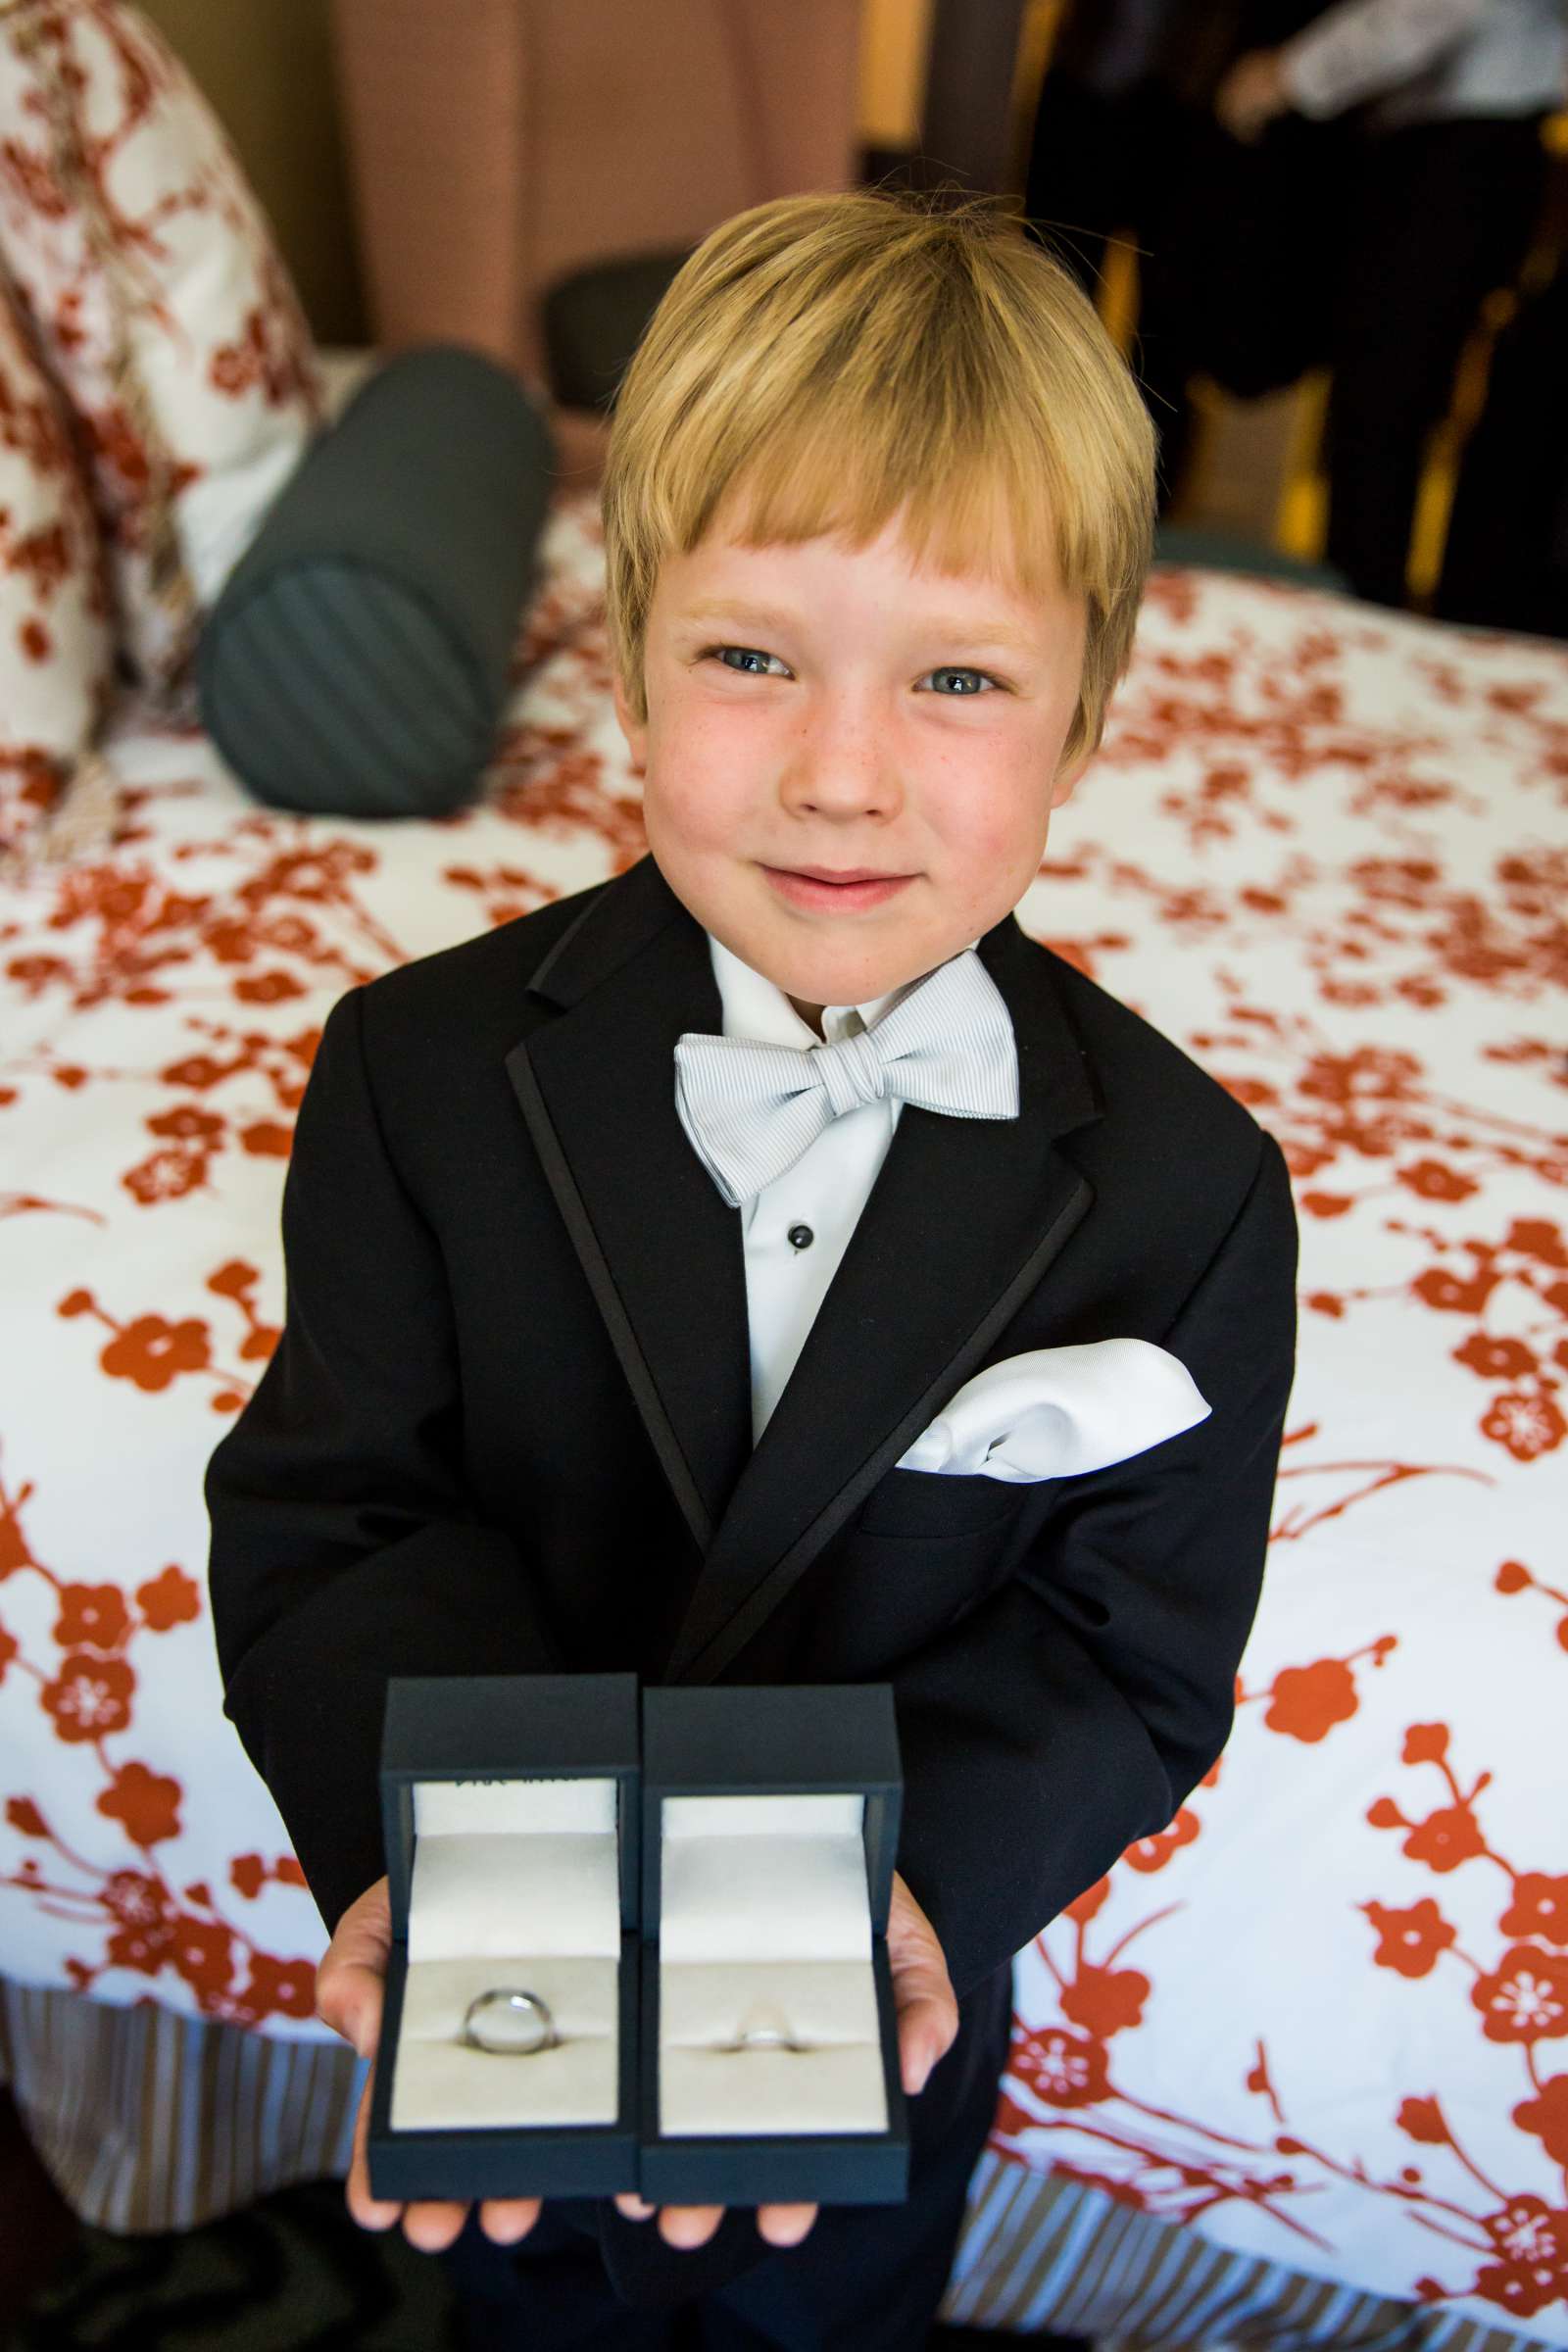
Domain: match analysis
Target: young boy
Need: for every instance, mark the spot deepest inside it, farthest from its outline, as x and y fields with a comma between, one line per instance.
x=604, y=1336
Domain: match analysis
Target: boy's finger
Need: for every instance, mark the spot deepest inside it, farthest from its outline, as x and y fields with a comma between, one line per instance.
x=370, y=2212
x=784, y=2224
x=634, y=2207
x=507, y=2219
x=431, y=2223
x=362, y=1937
x=350, y=1977
x=922, y=1989
x=923, y=2039
x=688, y=2226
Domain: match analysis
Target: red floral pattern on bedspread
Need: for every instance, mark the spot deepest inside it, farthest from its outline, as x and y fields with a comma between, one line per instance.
x=1322, y=2016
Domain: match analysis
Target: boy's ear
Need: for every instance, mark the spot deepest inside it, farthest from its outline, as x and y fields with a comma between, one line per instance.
x=1062, y=789
x=636, y=736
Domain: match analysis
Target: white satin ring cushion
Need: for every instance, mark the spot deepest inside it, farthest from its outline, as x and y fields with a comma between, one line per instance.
x=1055, y=1412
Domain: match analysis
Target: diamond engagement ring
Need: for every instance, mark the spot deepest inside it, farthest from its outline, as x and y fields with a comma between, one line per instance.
x=517, y=2004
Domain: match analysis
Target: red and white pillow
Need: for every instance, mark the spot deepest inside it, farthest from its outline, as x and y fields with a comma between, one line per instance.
x=143, y=276
x=57, y=641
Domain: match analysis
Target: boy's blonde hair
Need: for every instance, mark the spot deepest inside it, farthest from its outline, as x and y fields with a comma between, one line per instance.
x=822, y=361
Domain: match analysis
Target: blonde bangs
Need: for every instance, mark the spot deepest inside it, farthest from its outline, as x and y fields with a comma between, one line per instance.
x=825, y=364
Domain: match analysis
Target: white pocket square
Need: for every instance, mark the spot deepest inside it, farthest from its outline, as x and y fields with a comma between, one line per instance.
x=1057, y=1411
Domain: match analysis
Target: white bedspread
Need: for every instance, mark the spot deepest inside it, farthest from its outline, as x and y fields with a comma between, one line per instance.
x=1324, y=2018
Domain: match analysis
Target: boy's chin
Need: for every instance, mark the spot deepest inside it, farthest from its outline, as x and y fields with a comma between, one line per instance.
x=823, y=959
x=826, y=981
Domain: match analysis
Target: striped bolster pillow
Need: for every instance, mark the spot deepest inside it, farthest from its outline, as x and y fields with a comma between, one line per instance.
x=358, y=659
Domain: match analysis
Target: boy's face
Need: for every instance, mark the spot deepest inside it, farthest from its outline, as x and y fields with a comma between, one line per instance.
x=868, y=723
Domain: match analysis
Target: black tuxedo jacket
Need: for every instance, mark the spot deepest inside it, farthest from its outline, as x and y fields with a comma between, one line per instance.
x=508, y=1426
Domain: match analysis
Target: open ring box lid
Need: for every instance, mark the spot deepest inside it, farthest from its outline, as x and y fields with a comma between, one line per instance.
x=770, y=1826
x=509, y=1806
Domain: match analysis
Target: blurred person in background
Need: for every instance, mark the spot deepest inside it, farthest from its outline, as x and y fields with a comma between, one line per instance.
x=1447, y=193
x=1236, y=243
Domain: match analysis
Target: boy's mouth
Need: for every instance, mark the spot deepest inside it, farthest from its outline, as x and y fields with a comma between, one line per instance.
x=848, y=873
x=814, y=887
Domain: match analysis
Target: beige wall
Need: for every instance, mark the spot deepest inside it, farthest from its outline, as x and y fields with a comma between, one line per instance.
x=265, y=67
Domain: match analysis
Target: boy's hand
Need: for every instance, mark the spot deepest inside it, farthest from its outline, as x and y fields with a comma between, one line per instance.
x=928, y=2024
x=1251, y=95
x=349, y=1986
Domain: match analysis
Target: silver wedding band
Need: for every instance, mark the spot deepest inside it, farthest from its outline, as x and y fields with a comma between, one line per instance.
x=515, y=2001
x=759, y=2035
x=766, y=2037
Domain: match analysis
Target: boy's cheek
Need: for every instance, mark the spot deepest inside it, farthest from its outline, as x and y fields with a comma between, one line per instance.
x=697, y=814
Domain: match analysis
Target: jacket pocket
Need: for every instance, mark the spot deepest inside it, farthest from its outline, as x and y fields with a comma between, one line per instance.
x=908, y=1504
x=874, y=1597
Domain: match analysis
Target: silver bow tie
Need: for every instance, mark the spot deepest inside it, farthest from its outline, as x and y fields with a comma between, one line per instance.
x=751, y=1110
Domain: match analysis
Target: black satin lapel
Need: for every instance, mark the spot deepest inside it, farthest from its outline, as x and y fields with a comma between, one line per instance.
x=661, y=1249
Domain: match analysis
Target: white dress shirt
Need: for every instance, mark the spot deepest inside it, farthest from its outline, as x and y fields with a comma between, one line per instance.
x=820, y=1196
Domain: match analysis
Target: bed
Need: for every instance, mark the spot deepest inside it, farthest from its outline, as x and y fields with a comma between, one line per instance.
x=1298, y=2068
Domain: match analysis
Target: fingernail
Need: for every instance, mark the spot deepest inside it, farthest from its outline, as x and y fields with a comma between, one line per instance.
x=373, y=2215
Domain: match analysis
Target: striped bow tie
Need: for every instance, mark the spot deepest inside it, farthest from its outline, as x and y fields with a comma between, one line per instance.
x=751, y=1110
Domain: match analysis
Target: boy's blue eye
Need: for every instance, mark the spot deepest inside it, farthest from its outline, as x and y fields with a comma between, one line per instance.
x=945, y=670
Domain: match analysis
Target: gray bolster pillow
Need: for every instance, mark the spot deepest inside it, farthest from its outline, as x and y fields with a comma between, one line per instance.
x=356, y=659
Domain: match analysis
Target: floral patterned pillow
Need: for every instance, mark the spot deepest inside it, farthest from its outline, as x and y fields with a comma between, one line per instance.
x=160, y=306
x=57, y=644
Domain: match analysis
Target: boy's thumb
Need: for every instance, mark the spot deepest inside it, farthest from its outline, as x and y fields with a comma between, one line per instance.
x=349, y=1999
x=351, y=1976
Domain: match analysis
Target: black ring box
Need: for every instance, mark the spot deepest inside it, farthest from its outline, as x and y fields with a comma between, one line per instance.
x=728, y=1739
x=665, y=1741
x=504, y=1728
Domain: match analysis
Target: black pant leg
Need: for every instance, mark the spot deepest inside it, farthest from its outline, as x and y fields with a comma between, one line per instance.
x=1174, y=258
x=1444, y=214
x=1505, y=561
x=1102, y=163
x=1082, y=183
x=549, y=2293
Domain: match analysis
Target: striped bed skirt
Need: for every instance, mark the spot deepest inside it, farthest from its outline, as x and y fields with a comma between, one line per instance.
x=149, y=2120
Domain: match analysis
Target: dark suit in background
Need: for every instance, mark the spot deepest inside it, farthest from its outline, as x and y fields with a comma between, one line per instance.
x=508, y=1430
x=1238, y=246
x=1356, y=241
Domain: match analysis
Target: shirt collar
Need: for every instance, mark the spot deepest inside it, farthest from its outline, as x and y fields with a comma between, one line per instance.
x=756, y=1007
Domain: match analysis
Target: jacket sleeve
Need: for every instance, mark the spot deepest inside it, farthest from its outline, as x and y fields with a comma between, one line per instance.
x=344, y=1547
x=1070, y=1712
